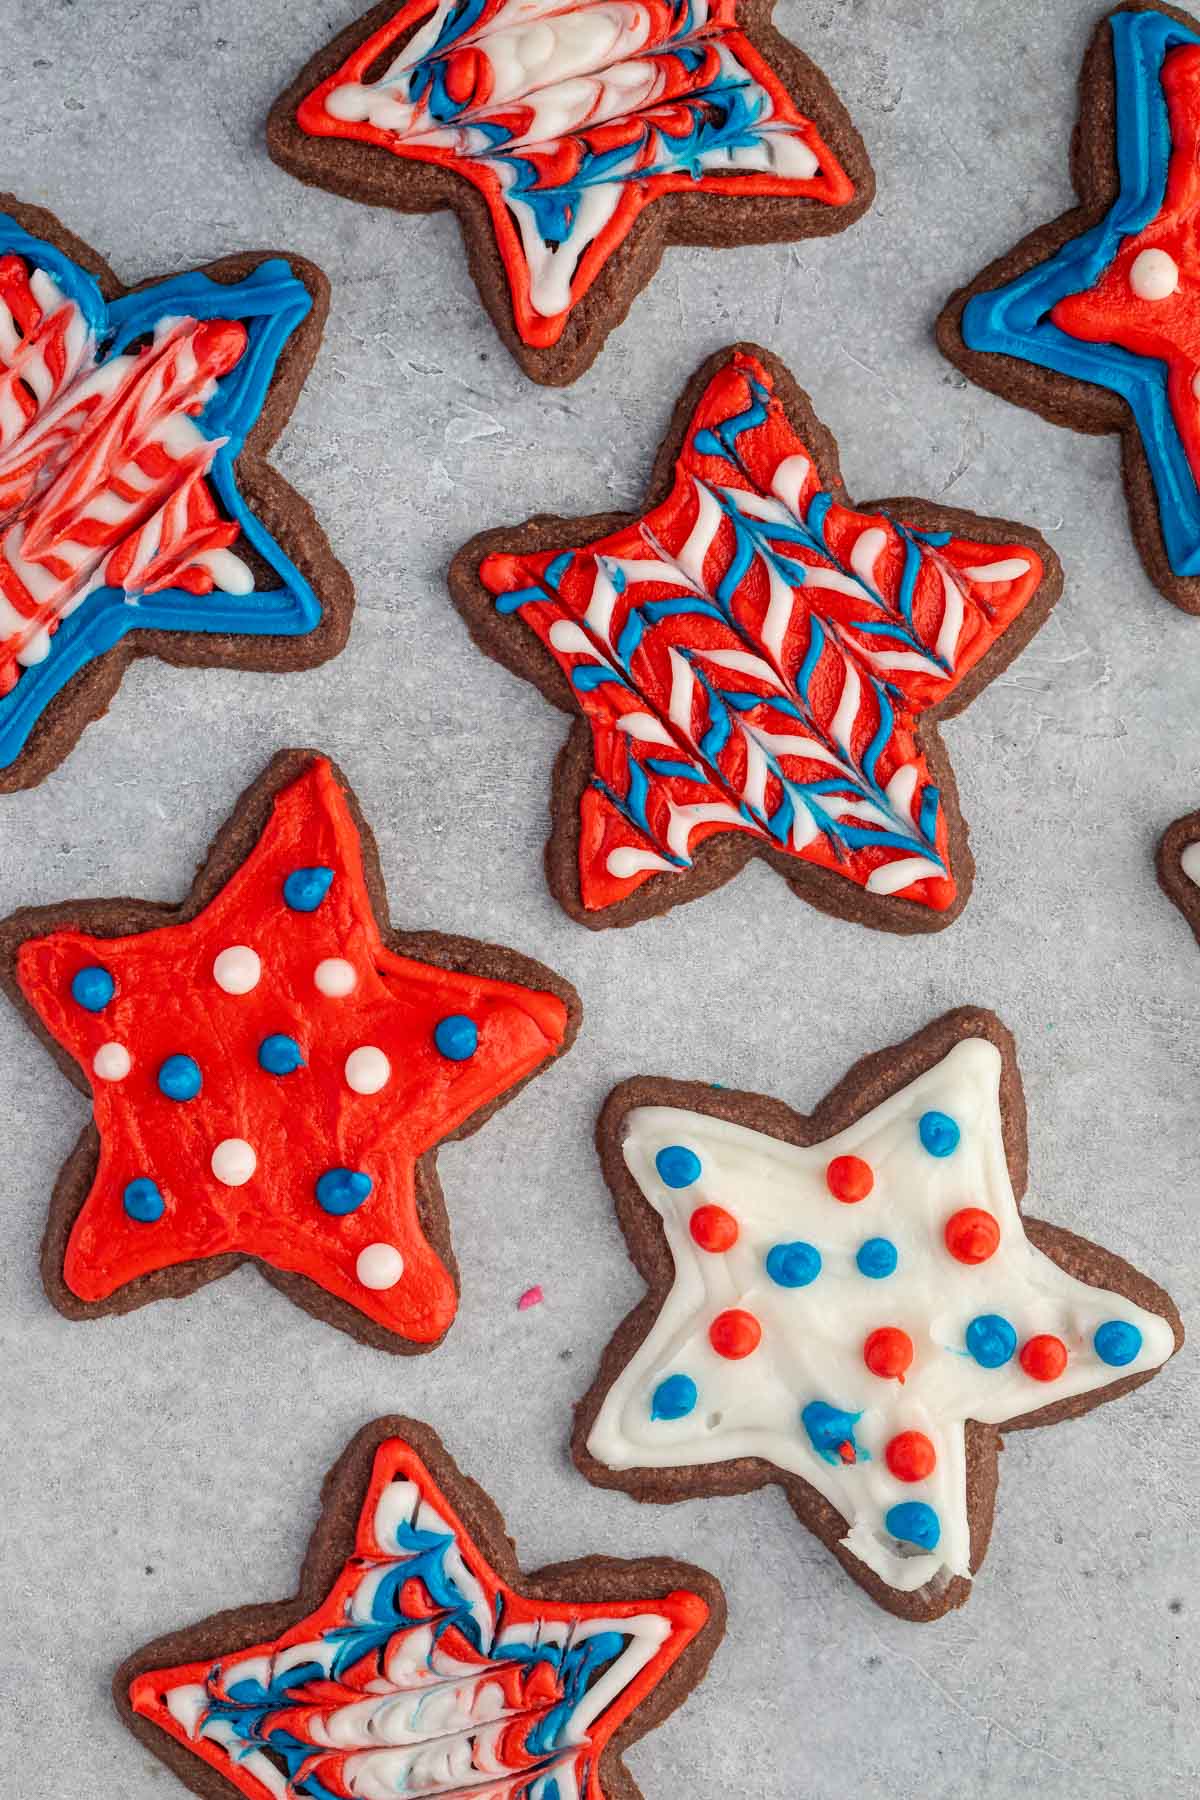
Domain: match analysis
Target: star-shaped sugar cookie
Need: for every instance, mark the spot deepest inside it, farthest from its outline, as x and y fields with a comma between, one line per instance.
x=138, y=515
x=271, y=1070
x=419, y=1660
x=760, y=666
x=852, y=1305
x=574, y=141
x=1094, y=320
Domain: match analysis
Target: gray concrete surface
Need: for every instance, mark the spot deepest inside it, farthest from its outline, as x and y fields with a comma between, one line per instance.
x=161, y=1466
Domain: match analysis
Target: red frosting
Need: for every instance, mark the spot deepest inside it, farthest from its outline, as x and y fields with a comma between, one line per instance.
x=1169, y=329
x=167, y=1003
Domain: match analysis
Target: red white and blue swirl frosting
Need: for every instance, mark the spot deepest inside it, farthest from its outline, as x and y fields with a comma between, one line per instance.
x=423, y=1673
x=570, y=119
x=753, y=656
x=120, y=426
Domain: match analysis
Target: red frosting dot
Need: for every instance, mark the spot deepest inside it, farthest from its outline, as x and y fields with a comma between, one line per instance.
x=972, y=1235
x=735, y=1334
x=911, y=1456
x=850, y=1179
x=714, y=1229
x=1044, y=1357
x=888, y=1352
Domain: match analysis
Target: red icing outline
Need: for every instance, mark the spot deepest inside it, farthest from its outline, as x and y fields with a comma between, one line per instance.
x=167, y=1002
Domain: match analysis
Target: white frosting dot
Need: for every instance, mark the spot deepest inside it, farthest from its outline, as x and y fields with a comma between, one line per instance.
x=367, y=1069
x=1189, y=862
x=335, y=977
x=234, y=1162
x=237, y=970
x=379, y=1266
x=112, y=1062
x=1154, y=275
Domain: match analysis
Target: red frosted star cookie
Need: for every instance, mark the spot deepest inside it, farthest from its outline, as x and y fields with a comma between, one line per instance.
x=760, y=666
x=272, y=1070
x=418, y=1660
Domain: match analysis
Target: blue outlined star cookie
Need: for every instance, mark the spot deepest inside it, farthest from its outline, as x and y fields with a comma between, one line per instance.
x=137, y=513
x=1094, y=321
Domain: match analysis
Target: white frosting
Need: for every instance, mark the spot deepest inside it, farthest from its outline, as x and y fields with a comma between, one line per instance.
x=813, y=1336
x=367, y=1070
x=1154, y=275
x=112, y=1062
x=238, y=969
x=379, y=1266
x=234, y=1162
x=335, y=977
x=1189, y=862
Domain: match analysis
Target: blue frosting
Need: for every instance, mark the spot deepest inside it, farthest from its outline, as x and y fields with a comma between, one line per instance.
x=1117, y=1343
x=1014, y=320
x=678, y=1167
x=457, y=1037
x=179, y=1078
x=143, y=1201
x=939, y=1133
x=674, y=1398
x=877, y=1258
x=913, y=1522
x=991, y=1340
x=793, y=1265
x=305, y=889
x=271, y=303
x=280, y=1054
x=829, y=1428
x=341, y=1191
x=93, y=988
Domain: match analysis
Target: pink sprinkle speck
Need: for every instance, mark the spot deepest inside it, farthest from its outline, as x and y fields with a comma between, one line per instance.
x=531, y=1297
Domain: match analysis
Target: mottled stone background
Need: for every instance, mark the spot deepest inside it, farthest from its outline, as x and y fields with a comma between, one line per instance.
x=167, y=1464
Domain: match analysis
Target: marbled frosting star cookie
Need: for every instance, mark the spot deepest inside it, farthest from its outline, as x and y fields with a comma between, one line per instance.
x=851, y=1304
x=574, y=142
x=271, y=1069
x=418, y=1660
x=759, y=666
x=1094, y=320
x=138, y=515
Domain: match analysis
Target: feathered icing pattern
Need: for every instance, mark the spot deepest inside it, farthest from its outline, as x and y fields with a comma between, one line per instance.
x=423, y=1673
x=570, y=119
x=119, y=426
x=753, y=656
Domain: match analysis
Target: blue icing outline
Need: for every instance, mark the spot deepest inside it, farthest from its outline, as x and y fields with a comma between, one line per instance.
x=1013, y=320
x=272, y=303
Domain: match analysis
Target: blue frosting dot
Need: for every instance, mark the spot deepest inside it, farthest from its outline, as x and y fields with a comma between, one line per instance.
x=914, y=1523
x=1117, y=1343
x=457, y=1037
x=939, y=1133
x=280, y=1055
x=831, y=1433
x=143, y=1201
x=342, y=1191
x=305, y=889
x=677, y=1166
x=180, y=1078
x=674, y=1398
x=93, y=988
x=793, y=1265
x=877, y=1258
x=991, y=1340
